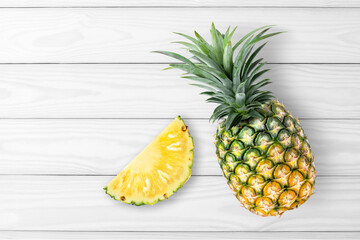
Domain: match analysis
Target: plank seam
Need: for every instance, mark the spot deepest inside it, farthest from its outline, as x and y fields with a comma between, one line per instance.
x=113, y=175
x=163, y=63
x=181, y=7
x=165, y=118
x=231, y=231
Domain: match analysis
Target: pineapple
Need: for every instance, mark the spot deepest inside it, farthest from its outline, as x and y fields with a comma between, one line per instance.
x=159, y=170
x=261, y=148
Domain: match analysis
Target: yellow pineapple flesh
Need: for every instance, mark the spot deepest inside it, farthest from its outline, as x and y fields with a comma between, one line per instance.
x=159, y=170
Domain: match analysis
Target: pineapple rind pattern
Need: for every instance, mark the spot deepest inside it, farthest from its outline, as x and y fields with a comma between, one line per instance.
x=267, y=162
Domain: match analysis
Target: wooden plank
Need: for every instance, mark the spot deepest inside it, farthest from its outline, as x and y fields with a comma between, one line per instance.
x=176, y=235
x=144, y=90
x=104, y=147
x=174, y=3
x=203, y=204
x=129, y=35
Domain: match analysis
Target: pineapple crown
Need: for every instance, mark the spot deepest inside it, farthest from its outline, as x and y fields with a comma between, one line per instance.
x=230, y=80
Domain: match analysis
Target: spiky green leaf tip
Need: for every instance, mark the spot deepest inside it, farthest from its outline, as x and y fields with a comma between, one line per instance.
x=232, y=75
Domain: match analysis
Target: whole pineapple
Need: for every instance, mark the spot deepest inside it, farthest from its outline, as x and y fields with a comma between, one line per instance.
x=262, y=149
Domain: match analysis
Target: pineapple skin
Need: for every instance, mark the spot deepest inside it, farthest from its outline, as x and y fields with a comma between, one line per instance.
x=267, y=162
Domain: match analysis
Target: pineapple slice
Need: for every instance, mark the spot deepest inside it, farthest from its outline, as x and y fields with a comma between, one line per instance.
x=159, y=170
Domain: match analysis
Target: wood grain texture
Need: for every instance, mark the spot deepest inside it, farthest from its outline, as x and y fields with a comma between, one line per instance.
x=129, y=35
x=33, y=235
x=104, y=147
x=144, y=90
x=203, y=204
x=175, y=3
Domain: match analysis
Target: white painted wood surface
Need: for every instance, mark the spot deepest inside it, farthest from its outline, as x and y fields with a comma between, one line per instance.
x=204, y=204
x=129, y=35
x=183, y=3
x=81, y=94
x=104, y=146
x=144, y=90
x=176, y=235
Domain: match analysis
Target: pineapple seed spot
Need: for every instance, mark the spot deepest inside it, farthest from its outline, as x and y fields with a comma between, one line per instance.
x=184, y=128
x=165, y=196
x=122, y=198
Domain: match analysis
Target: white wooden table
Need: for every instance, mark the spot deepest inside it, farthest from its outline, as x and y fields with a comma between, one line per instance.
x=81, y=94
